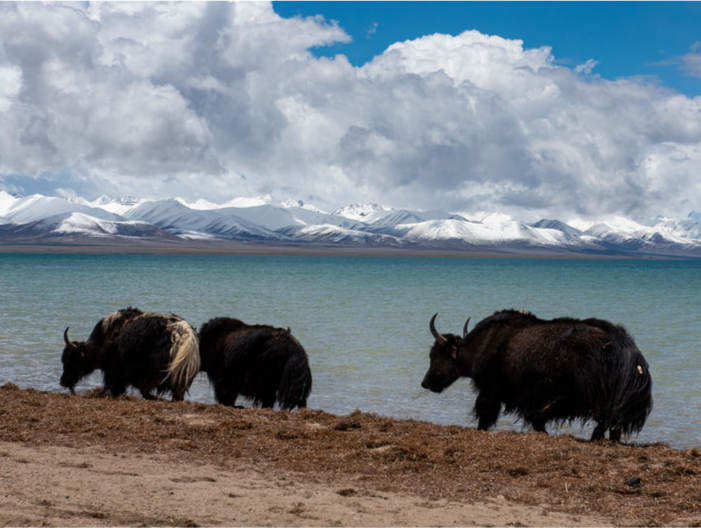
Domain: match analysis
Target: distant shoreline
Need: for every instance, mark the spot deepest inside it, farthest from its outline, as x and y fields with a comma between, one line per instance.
x=91, y=246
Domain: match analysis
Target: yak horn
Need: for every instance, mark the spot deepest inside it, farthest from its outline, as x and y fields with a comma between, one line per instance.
x=439, y=337
x=69, y=343
x=464, y=328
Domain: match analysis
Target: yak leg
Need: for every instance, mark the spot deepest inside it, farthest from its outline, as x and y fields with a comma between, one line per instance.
x=225, y=396
x=227, y=399
x=114, y=384
x=146, y=393
x=268, y=402
x=599, y=431
x=538, y=419
x=614, y=435
x=116, y=390
x=487, y=408
x=539, y=425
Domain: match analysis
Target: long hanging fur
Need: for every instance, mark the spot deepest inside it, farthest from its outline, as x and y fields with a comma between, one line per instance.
x=296, y=383
x=629, y=398
x=185, y=356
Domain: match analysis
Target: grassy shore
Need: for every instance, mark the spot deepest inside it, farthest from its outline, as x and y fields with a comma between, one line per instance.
x=90, y=460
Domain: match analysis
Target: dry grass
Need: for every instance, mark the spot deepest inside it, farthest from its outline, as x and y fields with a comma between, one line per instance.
x=557, y=473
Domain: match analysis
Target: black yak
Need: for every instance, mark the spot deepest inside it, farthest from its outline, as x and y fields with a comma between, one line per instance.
x=260, y=363
x=145, y=350
x=559, y=370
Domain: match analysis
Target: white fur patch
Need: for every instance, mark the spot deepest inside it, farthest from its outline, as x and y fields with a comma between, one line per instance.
x=109, y=320
x=184, y=353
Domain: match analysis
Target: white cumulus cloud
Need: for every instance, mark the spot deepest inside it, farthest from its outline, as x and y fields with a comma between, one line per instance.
x=219, y=100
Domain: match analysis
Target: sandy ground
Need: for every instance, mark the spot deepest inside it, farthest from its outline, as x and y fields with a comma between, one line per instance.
x=59, y=486
x=88, y=460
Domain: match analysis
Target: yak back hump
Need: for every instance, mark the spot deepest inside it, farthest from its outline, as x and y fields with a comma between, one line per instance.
x=144, y=347
x=490, y=338
x=111, y=326
x=213, y=336
x=559, y=343
x=519, y=345
x=257, y=343
x=225, y=342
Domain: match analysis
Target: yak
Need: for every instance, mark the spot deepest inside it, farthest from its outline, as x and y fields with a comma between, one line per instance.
x=259, y=362
x=544, y=371
x=145, y=350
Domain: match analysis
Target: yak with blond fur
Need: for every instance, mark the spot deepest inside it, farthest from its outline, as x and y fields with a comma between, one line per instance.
x=147, y=351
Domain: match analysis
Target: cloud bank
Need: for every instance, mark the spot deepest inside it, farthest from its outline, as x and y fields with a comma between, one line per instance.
x=219, y=100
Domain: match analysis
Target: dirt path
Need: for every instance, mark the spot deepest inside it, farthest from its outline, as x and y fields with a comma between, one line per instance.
x=59, y=486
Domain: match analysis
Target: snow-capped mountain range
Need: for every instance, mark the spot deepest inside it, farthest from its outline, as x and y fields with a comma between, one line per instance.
x=43, y=219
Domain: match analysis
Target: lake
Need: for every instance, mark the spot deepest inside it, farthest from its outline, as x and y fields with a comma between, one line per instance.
x=363, y=320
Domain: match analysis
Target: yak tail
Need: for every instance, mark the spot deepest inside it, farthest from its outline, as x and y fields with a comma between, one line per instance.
x=631, y=398
x=296, y=383
x=184, y=354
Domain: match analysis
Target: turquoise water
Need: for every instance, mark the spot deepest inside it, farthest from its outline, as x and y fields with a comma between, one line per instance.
x=363, y=321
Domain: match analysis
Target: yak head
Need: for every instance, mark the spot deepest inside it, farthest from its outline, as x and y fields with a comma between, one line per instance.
x=445, y=366
x=77, y=363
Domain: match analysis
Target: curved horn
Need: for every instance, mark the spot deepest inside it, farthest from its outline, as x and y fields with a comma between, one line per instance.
x=439, y=337
x=69, y=343
x=464, y=328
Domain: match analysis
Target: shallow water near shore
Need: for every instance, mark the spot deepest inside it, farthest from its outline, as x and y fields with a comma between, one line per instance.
x=363, y=320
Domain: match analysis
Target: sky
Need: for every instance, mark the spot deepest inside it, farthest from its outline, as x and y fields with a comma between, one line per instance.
x=626, y=39
x=568, y=110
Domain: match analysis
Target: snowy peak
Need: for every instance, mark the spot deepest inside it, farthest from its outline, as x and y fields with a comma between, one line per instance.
x=299, y=204
x=367, y=213
x=179, y=219
x=117, y=206
x=63, y=226
x=333, y=234
x=36, y=207
x=687, y=229
x=6, y=202
x=397, y=218
x=494, y=233
x=81, y=224
x=557, y=225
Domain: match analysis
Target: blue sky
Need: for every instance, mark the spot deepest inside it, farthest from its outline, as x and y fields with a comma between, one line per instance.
x=625, y=38
x=532, y=109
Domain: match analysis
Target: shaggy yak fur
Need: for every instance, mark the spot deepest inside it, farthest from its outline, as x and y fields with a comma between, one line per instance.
x=145, y=350
x=547, y=371
x=260, y=363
